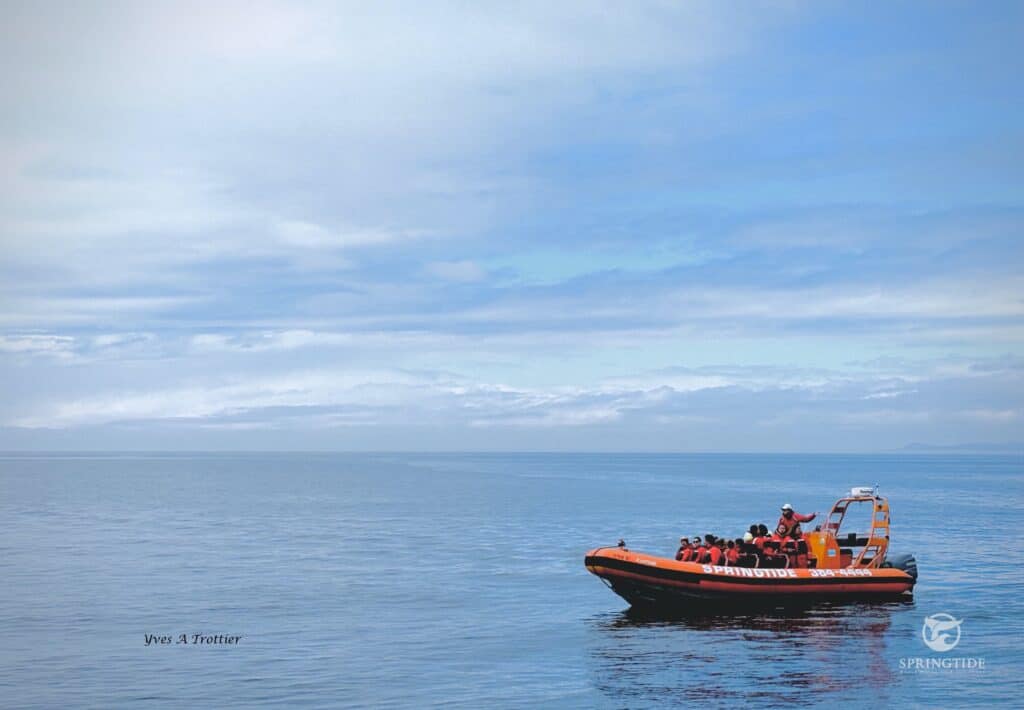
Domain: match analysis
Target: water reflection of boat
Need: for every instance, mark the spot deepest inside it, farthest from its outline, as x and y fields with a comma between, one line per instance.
x=839, y=568
x=640, y=658
x=804, y=619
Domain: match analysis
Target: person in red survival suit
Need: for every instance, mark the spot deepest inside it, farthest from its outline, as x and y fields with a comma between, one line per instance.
x=732, y=552
x=684, y=551
x=789, y=523
x=701, y=552
x=760, y=537
x=715, y=554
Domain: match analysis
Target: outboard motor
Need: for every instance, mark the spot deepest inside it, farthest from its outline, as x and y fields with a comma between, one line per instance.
x=904, y=562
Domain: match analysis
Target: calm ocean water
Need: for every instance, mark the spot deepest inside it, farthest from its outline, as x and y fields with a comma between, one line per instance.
x=409, y=580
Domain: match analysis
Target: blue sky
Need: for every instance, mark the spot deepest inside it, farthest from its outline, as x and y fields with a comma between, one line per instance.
x=595, y=226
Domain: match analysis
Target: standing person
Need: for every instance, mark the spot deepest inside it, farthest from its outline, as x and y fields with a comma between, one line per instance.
x=789, y=523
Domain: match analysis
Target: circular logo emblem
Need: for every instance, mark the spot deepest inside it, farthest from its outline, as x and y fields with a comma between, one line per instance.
x=941, y=632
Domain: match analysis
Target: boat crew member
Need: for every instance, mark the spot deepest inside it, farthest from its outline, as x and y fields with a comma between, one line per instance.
x=789, y=523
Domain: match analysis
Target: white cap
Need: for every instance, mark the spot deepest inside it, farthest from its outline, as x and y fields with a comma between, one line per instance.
x=787, y=506
x=747, y=537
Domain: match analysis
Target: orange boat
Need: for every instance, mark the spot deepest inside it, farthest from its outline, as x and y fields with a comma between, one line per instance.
x=838, y=567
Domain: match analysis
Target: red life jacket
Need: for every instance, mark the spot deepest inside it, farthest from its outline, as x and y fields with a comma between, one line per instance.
x=732, y=556
x=759, y=542
x=716, y=555
x=700, y=554
x=787, y=526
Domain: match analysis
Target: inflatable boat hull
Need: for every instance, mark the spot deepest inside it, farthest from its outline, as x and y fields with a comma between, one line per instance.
x=646, y=580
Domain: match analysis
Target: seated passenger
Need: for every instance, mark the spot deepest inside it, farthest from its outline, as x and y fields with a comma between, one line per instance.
x=732, y=553
x=761, y=537
x=684, y=549
x=715, y=553
x=771, y=557
x=690, y=553
x=700, y=551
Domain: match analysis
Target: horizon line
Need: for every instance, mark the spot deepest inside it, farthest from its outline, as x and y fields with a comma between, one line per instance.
x=929, y=451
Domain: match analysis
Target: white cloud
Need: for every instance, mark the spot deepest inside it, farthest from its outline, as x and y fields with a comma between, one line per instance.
x=211, y=400
x=60, y=346
x=111, y=340
x=887, y=394
x=270, y=340
x=306, y=235
x=771, y=408
x=29, y=311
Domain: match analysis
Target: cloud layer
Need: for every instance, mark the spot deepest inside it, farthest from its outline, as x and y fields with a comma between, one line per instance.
x=649, y=225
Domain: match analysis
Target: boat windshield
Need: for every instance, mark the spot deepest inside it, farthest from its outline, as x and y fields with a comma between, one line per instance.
x=852, y=517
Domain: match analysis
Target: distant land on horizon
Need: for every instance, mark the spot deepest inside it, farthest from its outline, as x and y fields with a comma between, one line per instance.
x=1007, y=447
